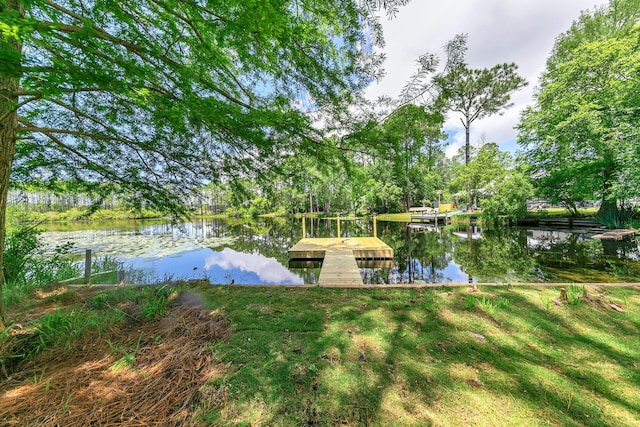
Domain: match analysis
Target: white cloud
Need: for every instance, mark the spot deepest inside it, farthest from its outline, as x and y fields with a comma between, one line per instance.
x=499, y=31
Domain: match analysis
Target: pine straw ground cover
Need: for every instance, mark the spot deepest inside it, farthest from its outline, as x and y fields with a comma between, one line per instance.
x=260, y=356
x=130, y=368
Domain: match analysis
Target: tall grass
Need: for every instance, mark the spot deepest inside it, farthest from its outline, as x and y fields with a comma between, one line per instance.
x=61, y=327
x=617, y=217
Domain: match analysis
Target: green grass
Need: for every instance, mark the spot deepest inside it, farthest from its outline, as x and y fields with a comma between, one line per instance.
x=384, y=357
x=426, y=357
x=102, y=278
x=395, y=217
x=59, y=328
x=560, y=212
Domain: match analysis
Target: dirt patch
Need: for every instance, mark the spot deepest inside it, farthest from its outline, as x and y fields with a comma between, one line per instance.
x=138, y=374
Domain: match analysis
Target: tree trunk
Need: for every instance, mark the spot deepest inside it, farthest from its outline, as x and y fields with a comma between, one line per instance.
x=467, y=147
x=9, y=83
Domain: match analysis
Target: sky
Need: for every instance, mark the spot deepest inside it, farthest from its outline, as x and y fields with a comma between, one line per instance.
x=521, y=31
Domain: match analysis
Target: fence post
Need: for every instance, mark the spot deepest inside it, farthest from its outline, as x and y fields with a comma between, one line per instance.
x=87, y=266
x=120, y=277
x=338, y=226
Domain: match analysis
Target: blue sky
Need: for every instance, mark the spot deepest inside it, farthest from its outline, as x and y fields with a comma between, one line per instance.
x=499, y=31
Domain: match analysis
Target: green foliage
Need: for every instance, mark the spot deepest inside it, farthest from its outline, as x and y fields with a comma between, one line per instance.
x=259, y=206
x=617, y=217
x=574, y=294
x=380, y=196
x=127, y=358
x=477, y=93
x=156, y=101
x=105, y=263
x=482, y=175
x=581, y=136
x=21, y=247
x=152, y=300
x=27, y=267
x=489, y=304
x=402, y=141
x=500, y=256
x=155, y=301
x=509, y=199
x=156, y=98
x=60, y=328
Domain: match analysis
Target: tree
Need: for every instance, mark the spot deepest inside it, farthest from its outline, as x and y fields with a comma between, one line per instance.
x=476, y=94
x=581, y=136
x=404, y=136
x=508, y=198
x=160, y=96
x=487, y=168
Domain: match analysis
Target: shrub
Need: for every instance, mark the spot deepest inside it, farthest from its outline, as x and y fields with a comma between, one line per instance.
x=26, y=266
x=509, y=201
x=617, y=217
x=21, y=247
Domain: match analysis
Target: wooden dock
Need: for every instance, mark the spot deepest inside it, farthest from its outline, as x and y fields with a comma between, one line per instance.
x=615, y=235
x=580, y=223
x=339, y=266
x=362, y=247
x=431, y=215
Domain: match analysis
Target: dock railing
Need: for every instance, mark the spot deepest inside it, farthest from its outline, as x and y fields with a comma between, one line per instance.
x=304, y=225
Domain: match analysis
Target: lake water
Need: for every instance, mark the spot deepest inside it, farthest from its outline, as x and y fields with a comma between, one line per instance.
x=255, y=252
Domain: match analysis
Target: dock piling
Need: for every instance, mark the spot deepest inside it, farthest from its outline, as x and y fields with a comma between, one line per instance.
x=375, y=225
x=87, y=266
x=304, y=226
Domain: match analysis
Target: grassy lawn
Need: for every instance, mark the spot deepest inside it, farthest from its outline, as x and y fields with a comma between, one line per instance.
x=427, y=357
x=270, y=356
x=561, y=212
x=398, y=217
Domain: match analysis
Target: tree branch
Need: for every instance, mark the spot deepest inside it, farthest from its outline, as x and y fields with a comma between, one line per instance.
x=135, y=49
x=104, y=171
x=21, y=104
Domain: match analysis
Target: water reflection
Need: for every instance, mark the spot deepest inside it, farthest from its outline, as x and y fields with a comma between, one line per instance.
x=250, y=265
x=255, y=251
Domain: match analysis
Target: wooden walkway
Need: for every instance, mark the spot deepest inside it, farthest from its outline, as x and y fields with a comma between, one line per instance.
x=340, y=269
x=339, y=266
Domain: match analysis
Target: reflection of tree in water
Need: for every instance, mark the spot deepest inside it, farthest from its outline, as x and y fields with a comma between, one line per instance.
x=420, y=256
x=500, y=255
x=571, y=256
x=271, y=238
x=508, y=254
x=625, y=249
